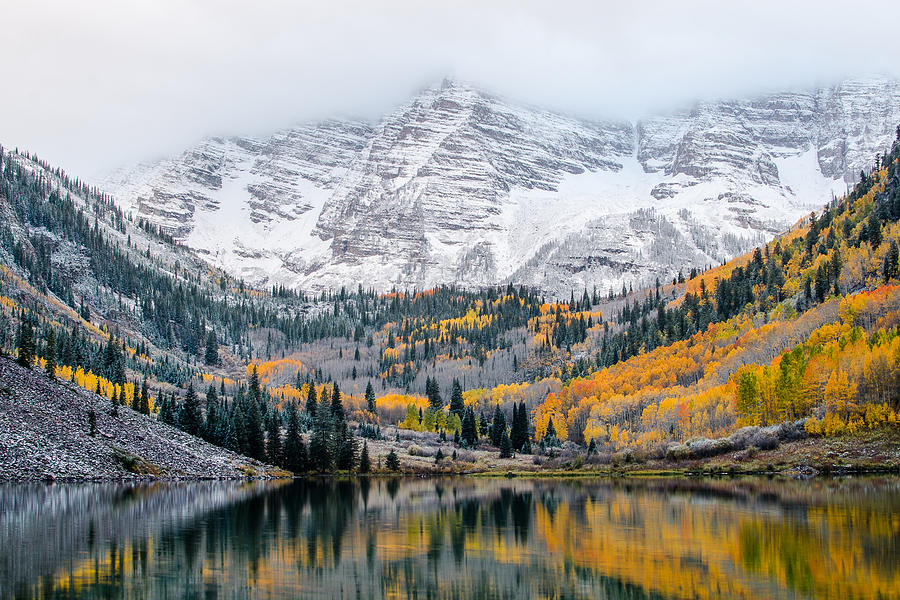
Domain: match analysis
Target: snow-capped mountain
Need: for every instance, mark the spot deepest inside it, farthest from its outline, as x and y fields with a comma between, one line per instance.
x=460, y=186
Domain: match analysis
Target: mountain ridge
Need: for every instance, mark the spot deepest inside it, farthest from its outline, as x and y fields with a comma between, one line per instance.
x=463, y=187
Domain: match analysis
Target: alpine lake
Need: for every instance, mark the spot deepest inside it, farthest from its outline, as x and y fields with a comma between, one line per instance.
x=460, y=537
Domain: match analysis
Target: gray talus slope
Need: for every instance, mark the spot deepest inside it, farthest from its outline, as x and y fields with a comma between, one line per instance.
x=44, y=433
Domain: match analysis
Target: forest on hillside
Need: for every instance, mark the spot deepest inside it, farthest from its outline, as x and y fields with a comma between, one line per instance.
x=803, y=330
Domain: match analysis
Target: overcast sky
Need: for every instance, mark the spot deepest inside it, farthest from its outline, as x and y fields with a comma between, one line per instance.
x=94, y=84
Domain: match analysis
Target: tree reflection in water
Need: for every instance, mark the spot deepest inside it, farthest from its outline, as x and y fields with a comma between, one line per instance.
x=453, y=538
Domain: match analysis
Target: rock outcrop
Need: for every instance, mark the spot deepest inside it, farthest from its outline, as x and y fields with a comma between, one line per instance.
x=460, y=186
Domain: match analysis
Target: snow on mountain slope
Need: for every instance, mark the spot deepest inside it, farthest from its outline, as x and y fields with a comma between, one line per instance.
x=459, y=186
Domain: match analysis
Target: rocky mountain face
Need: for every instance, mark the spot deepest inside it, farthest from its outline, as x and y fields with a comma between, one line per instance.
x=459, y=186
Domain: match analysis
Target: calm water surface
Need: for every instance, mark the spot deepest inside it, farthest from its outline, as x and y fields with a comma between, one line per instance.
x=454, y=538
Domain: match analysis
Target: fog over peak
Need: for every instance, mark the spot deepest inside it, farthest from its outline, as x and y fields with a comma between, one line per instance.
x=99, y=83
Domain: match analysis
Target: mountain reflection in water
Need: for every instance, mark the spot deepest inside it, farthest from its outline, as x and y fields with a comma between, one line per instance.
x=453, y=538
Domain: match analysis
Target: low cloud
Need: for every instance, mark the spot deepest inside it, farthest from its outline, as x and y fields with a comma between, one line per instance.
x=99, y=83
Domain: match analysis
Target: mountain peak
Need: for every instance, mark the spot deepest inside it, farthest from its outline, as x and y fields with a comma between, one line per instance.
x=459, y=186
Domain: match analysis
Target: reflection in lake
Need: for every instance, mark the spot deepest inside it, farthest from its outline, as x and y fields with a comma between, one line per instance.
x=453, y=538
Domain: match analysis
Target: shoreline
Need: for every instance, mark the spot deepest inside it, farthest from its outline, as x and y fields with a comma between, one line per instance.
x=800, y=472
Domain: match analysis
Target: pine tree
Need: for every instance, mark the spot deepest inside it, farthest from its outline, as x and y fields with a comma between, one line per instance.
x=320, y=444
x=273, y=442
x=370, y=399
x=891, y=260
x=457, y=406
x=392, y=462
x=50, y=354
x=551, y=430
x=337, y=407
x=92, y=423
x=522, y=429
x=319, y=451
x=505, y=445
x=550, y=439
x=469, y=434
x=433, y=393
x=211, y=356
x=234, y=430
x=189, y=417
x=255, y=441
x=346, y=447
x=212, y=427
x=498, y=425
x=167, y=411
x=295, y=458
x=365, y=463
x=311, y=400
x=4, y=332
x=514, y=424
x=254, y=388
x=25, y=343
x=144, y=404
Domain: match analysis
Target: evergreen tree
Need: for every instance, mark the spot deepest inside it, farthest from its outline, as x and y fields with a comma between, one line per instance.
x=311, y=400
x=273, y=442
x=211, y=356
x=319, y=452
x=4, y=333
x=874, y=227
x=433, y=393
x=498, y=426
x=365, y=463
x=519, y=432
x=144, y=403
x=189, y=417
x=25, y=343
x=254, y=389
x=167, y=411
x=320, y=456
x=213, y=425
x=457, y=406
x=550, y=440
x=255, y=441
x=505, y=445
x=370, y=399
x=469, y=433
x=234, y=432
x=551, y=430
x=92, y=423
x=337, y=407
x=346, y=447
x=392, y=462
x=891, y=260
x=50, y=354
x=295, y=457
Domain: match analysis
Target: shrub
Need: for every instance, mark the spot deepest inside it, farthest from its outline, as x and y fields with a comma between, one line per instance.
x=677, y=452
x=704, y=447
x=740, y=439
x=415, y=450
x=764, y=439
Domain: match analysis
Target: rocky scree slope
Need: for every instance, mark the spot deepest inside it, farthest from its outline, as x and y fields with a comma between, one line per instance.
x=44, y=434
x=460, y=186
